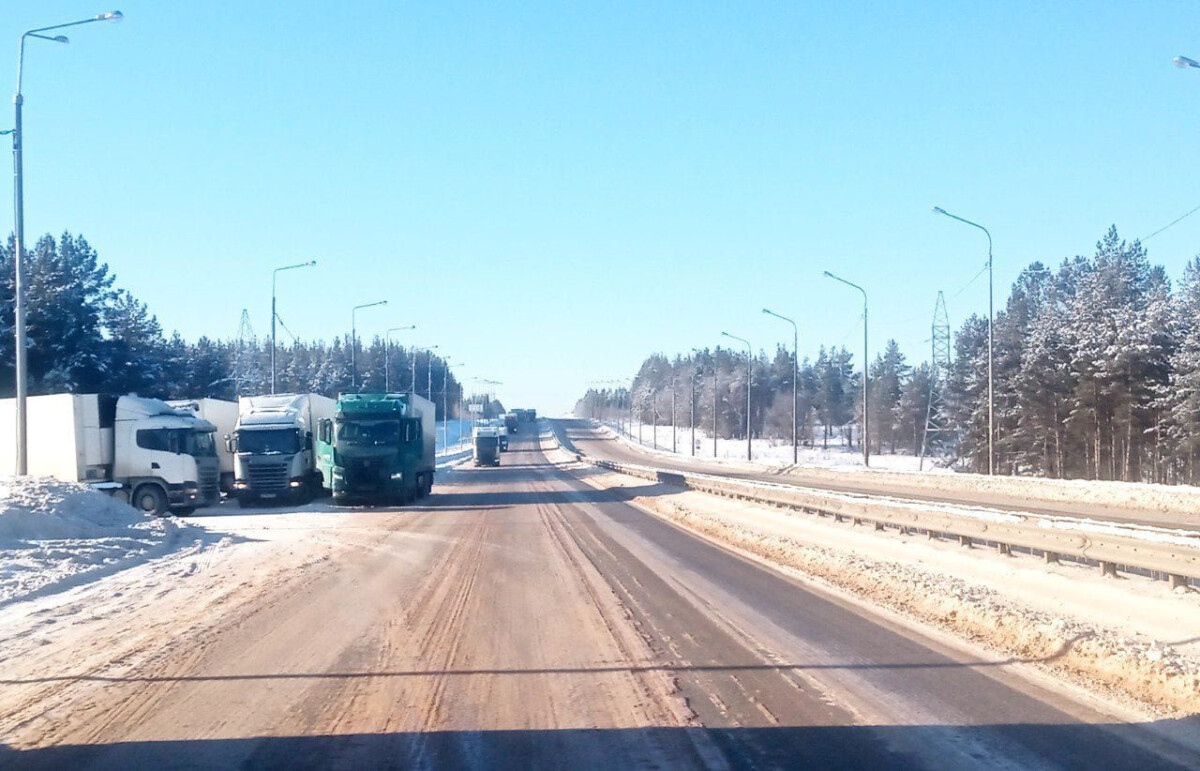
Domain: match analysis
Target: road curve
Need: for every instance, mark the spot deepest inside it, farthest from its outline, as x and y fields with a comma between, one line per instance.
x=520, y=618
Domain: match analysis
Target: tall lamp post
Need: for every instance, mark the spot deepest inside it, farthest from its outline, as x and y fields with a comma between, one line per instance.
x=446, y=367
x=866, y=429
x=749, y=381
x=354, y=340
x=674, y=445
x=387, y=354
x=795, y=380
x=412, y=380
x=21, y=363
x=991, y=296
x=275, y=315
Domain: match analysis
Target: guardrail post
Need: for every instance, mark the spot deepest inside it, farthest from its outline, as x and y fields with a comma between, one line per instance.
x=965, y=540
x=1005, y=549
x=1178, y=581
x=1051, y=558
x=1108, y=569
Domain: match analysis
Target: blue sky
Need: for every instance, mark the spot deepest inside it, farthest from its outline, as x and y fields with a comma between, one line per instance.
x=551, y=191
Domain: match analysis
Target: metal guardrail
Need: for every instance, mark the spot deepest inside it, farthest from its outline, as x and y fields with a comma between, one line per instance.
x=1120, y=547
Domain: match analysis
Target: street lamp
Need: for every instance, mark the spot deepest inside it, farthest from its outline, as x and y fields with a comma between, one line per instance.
x=354, y=340
x=991, y=295
x=21, y=364
x=412, y=380
x=674, y=446
x=446, y=367
x=749, y=380
x=795, y=380
x=866, y=420
x=387, y=355
x=274, y=315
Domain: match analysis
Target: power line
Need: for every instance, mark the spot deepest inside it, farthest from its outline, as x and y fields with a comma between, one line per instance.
x=1175, y=221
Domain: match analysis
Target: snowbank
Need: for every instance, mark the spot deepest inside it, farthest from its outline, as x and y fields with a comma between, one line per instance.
x=55, y=535
x=767, y=453
x=1179, y=502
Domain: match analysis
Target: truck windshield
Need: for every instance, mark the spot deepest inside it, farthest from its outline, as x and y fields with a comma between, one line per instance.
x=373, y=432
x=275, y=441
x=201, y=444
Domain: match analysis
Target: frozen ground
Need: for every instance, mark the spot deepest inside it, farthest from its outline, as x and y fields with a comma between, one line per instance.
x=54, y=535
x=769, y=453
x=58, y=535
x=1168, y=503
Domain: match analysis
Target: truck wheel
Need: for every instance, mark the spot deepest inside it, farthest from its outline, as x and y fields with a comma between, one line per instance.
x=150, y=499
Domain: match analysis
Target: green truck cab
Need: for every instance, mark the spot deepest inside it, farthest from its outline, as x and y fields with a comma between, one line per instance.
x=378, y=448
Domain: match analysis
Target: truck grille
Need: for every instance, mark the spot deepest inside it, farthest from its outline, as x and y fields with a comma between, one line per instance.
x=210, y=484
x=365, y=473
x=268, y=477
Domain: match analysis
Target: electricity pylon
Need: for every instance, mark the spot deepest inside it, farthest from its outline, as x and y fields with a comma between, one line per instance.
x=937, y=436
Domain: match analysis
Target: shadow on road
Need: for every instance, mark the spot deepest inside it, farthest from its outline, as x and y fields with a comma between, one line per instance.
x=892, y=747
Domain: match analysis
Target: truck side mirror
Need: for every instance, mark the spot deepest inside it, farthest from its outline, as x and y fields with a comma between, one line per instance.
x=324, y=430
x=228, y=443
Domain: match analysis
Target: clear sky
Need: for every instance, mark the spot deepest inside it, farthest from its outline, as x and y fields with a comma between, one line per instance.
x=551, y=191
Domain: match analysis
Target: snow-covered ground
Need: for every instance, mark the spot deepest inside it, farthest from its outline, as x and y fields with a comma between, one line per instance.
x=1131, y=639
x=55, y=535
x=770, y=453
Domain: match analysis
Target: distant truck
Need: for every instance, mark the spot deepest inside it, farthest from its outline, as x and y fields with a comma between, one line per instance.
x=486, y=443
x=274, y=448
x=378, y=448
x=502, y=432
x=223, y=414
x=510, y=422
x=144, y=451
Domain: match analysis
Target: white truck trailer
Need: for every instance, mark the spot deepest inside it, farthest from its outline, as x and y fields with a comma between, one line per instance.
x=274, y=448
x=144, y=451
x=224, y=415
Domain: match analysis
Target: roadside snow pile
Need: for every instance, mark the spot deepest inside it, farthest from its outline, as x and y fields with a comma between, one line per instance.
x=55, y=535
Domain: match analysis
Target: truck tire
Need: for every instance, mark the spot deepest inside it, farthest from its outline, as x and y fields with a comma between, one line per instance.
x=151, y=499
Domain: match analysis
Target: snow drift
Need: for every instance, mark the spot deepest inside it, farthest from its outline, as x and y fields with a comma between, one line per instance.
x=55, y=535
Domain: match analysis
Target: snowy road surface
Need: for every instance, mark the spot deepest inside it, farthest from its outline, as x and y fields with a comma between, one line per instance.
x=586, y=438
x=517, y=618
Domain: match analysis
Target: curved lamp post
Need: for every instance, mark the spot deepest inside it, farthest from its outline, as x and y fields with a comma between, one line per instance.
x=21, y=363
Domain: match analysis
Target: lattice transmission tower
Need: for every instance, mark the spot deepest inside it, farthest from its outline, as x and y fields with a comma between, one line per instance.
x=938, y=437
x=246, y=375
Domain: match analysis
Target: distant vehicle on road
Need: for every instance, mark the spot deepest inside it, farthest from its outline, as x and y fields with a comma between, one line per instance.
x=486, y=443
x=378, y=448
x=510, y=422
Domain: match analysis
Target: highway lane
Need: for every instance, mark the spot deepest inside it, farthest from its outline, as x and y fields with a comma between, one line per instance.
x=520, y=618
x=587, y=439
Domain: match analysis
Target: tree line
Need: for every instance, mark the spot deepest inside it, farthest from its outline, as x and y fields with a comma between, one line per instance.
x=1096, y=368
x=86, y=335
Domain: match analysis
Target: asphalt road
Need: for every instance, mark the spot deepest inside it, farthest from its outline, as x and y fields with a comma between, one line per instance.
x=517, y=618
x=589, y=440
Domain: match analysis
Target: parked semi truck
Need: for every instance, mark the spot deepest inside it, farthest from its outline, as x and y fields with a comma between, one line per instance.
x=274, y=447
x=486, y=443
x=158, y=457
x=378, y=448
x=223, y=414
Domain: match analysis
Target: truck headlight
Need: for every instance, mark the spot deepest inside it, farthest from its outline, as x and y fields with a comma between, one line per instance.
x=398, y=476
x=295, y=483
